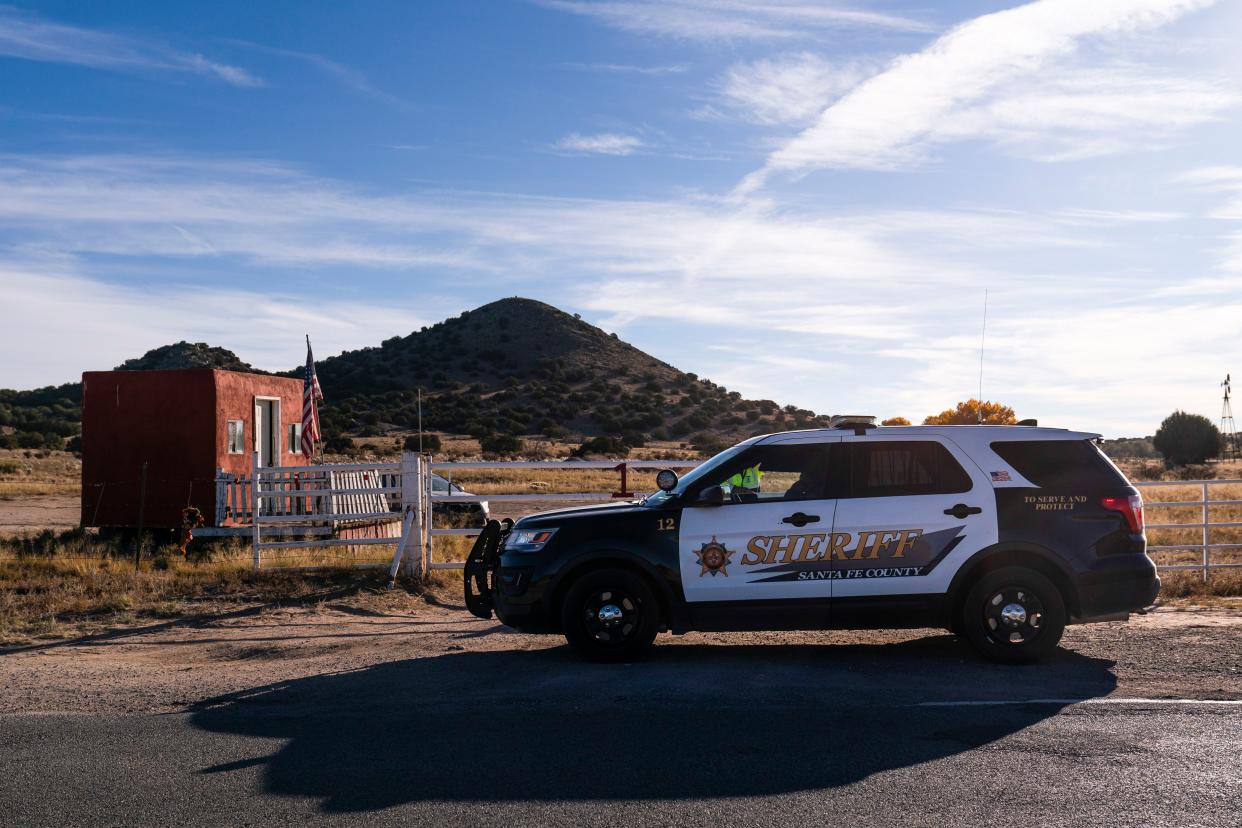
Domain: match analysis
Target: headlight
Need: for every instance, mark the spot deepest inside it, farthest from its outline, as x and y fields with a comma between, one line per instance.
x=529, y=540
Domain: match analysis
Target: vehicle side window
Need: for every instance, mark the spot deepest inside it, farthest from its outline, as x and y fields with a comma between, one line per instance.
x=1070, y=465
x=439, y=485
x=776, y=473
x=901, y=468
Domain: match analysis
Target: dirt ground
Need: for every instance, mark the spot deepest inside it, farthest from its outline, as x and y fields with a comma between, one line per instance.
x=33, y=513
x=171, y=665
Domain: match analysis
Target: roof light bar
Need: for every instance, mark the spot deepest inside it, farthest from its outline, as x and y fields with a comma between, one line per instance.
x=847, y=420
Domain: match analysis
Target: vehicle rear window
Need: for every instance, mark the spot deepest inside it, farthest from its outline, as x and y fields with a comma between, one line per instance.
x=897, y=468
x=1060, y=464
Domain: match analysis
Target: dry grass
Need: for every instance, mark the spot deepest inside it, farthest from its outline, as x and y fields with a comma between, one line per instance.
x=29, y=473
x=79, y=584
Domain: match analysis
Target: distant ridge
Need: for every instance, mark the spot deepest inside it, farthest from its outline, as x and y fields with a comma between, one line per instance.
x=514, y=366
x=187, y=355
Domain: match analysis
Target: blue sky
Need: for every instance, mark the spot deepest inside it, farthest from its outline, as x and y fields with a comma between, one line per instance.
x=801, y=200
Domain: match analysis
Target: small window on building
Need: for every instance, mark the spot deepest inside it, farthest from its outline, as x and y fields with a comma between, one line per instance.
x=295, y=438
x=237, y=434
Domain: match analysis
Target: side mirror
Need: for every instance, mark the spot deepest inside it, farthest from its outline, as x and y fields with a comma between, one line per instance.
x=666, y=479
x=712, y=496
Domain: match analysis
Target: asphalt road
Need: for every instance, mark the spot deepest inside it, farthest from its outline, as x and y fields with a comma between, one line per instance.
x=914, y=733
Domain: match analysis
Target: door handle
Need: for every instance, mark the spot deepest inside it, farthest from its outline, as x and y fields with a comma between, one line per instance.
x=800, y=519
x=961, y=510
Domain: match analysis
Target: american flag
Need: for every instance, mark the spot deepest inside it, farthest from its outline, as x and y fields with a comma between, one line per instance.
x=311, y=395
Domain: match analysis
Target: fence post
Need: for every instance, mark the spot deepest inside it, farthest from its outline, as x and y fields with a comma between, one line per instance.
x=429, y=518
x=1207, y=559
x=254, y=508
x=411, y=504
x=221, y=491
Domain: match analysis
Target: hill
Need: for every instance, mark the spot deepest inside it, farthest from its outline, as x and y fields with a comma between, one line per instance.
x=187, y=355
x=517, y=366
x=512, y=367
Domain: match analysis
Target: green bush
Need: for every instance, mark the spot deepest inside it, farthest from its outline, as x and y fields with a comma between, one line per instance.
x=1186, y=439
x=338, y=444
x=501, y=444
x=607, y=446
x=431, y=442
x=707, y=444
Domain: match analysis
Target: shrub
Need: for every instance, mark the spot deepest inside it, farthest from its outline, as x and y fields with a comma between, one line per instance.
x=967, y=413
x=501, y=444
x=895, y=421
x=431, y=442
x=1186, y=439
x=707, y=444
x=1202, y=472
x=634, y=439
x=607, y=446
x=338, y=444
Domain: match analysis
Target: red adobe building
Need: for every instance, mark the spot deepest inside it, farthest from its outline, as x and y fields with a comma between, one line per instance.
x=184, y=425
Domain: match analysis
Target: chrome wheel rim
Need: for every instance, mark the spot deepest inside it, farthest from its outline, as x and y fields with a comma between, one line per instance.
x=1013, y=616
x=611, y=616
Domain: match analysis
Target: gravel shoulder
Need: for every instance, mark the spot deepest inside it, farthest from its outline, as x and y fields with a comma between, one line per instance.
x=173, y=665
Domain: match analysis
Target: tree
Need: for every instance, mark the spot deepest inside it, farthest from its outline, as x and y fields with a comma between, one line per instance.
x=895, y=421
x=967, y=413
x=1185, y=439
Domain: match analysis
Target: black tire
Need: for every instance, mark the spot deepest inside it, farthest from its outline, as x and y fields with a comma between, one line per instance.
x=633, y=615
x=1013, y=615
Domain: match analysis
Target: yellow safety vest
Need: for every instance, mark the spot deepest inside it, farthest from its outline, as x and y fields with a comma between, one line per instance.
x=746, y=479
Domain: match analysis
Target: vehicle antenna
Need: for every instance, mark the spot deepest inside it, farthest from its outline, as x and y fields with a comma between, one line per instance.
x=982, y=339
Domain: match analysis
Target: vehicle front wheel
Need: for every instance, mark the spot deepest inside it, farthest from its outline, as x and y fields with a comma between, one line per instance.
x=1014, y=615
x=610, y=615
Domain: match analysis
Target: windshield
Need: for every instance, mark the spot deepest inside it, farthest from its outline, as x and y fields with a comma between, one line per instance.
x=695, y=474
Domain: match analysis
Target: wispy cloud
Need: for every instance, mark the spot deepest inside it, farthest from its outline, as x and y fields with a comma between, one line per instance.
x=961, y=85
x=603, y=143
x=791, y=89
x=711, y=20
x=80, y=323
x=29, y=37
x=351, y=78
x=1226, y=180
x=629, y=69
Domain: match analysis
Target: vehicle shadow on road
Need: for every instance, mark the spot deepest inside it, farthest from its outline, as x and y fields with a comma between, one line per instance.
x=696, y=721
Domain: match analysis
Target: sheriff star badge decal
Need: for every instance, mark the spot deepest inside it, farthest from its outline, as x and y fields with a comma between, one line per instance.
x=713, y=558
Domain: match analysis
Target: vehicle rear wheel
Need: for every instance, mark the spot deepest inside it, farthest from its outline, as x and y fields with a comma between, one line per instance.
x=610, y=615
x=1014, y=615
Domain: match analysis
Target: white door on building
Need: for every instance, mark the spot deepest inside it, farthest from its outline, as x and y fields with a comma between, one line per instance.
x=267, y=430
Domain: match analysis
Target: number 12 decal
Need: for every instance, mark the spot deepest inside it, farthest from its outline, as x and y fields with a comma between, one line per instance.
x=665, y=524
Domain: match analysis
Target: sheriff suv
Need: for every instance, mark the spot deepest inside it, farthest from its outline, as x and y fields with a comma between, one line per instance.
x=1002, y=534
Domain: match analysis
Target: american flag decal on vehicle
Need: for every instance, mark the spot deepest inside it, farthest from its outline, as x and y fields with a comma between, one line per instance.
x=1001, y=477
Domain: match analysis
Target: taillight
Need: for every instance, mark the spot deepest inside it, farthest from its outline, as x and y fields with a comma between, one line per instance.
x=1130, y=507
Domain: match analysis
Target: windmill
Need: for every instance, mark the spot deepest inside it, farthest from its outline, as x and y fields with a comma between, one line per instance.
x=1228, y=431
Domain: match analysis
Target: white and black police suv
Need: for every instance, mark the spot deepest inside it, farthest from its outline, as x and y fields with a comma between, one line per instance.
x=1002, y=534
